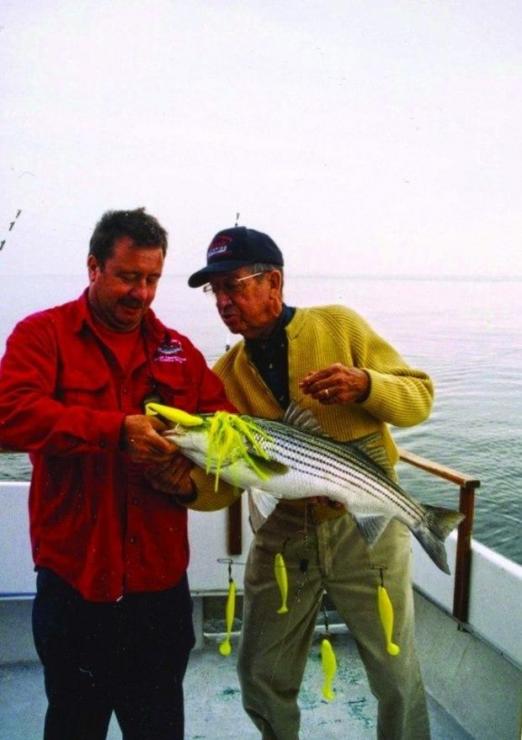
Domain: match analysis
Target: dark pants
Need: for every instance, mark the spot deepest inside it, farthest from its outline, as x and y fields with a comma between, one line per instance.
x=129, y=657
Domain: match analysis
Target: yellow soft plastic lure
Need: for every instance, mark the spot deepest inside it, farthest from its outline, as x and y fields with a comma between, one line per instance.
x=230, y=437
x=225, y=647
x=282, y=581
x=386, y=615
x=329, y=664
x=176, y=416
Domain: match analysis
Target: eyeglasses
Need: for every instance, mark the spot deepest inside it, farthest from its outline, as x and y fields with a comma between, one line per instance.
x=230, y=286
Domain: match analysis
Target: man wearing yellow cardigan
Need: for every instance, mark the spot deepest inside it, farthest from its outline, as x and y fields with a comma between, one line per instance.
x=329, y=360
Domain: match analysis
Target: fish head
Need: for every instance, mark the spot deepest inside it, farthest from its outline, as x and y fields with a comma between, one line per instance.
x=217, y=441
x=193, y=441
x=189, y=432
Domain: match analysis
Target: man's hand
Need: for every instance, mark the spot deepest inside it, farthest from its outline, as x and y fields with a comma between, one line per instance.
x=337, y=384
x=142, y=441
x=173, y=477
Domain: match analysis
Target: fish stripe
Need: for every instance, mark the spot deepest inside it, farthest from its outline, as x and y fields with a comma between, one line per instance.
x=366, y=476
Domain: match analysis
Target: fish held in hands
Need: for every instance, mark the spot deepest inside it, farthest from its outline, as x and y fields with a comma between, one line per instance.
x=293, y=459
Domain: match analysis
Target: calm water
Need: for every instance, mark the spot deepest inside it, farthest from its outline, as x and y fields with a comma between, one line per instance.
x=466, y=334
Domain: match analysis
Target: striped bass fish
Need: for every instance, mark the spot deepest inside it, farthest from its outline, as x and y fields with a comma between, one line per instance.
x=293, y=459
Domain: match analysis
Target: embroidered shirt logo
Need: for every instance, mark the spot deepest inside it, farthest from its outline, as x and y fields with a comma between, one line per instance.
x=170, y=350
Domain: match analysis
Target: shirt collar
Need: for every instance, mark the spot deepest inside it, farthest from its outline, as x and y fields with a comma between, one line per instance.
x=285, y=317
x=151, y=324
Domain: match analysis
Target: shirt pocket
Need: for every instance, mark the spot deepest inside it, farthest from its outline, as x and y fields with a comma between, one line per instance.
x=176, y=387
x=79, y=387
x=183, y=396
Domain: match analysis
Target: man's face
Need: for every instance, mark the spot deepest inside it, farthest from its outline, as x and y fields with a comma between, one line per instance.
x=121, y=291
x=249, y=307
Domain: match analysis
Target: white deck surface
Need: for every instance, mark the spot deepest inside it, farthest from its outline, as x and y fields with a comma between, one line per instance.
x=213, y=704
x=476, y=674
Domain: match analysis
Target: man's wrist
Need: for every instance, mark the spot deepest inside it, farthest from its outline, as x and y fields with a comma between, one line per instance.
x=364, y=395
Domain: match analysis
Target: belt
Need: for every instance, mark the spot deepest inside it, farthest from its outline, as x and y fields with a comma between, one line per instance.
x=317, y=512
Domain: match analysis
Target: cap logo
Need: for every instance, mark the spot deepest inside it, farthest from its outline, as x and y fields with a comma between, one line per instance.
x=219, y=246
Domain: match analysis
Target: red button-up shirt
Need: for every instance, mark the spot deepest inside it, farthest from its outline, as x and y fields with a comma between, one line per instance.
x=95, y=521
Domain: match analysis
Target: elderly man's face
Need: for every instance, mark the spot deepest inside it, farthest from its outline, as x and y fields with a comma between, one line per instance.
x=249, y=307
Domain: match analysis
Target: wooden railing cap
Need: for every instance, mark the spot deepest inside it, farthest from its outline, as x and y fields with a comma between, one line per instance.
x=464, y=481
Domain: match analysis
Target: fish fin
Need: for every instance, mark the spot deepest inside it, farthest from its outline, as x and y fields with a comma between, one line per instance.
x=372, y=447
x=260, y=506
x=297, y=416
x=433, y=530
x=371, y=527
x=442, y=521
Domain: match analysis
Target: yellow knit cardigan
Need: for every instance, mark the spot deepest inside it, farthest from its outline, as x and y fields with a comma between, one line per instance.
x=318, y=337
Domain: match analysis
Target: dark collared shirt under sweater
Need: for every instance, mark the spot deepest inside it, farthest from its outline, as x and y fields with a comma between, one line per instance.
x=270, y=356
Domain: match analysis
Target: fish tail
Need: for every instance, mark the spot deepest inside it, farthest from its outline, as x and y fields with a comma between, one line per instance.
x=433, y=530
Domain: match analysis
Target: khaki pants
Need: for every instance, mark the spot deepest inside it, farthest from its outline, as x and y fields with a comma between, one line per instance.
x=330, y=556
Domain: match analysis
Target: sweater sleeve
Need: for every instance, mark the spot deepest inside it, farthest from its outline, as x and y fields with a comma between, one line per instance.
x=208, y=498
x=399, y=395
x=31, y=418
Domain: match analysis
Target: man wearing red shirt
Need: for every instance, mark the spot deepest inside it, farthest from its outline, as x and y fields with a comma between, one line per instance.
x=112, y=616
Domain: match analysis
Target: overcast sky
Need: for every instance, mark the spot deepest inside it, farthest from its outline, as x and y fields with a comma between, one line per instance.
x=367, y=137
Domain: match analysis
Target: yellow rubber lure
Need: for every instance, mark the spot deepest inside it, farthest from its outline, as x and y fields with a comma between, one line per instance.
x=282, y=581
x=386, y=615
x=231, y=437
x=176, y=416
x=329, y=664
x=225, y=647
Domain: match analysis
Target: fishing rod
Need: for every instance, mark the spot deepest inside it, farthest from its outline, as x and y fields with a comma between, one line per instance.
x=11, y=227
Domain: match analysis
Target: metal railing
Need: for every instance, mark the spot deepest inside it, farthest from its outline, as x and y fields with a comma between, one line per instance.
x=467, y=486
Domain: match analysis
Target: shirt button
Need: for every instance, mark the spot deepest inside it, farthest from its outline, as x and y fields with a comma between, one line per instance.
x=133, y=540
x=135, y=501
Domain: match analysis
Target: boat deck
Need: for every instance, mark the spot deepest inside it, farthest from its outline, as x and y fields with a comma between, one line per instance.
x=213, y=703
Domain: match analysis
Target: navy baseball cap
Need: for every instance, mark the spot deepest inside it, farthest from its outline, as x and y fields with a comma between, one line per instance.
x=234, y=248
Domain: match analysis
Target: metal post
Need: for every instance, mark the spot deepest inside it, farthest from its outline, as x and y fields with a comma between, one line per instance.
x=467, y=486
x=463, y=560
x=234, y=528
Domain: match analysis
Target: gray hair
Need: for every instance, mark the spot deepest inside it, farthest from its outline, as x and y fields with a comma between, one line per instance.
x=266, y=267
